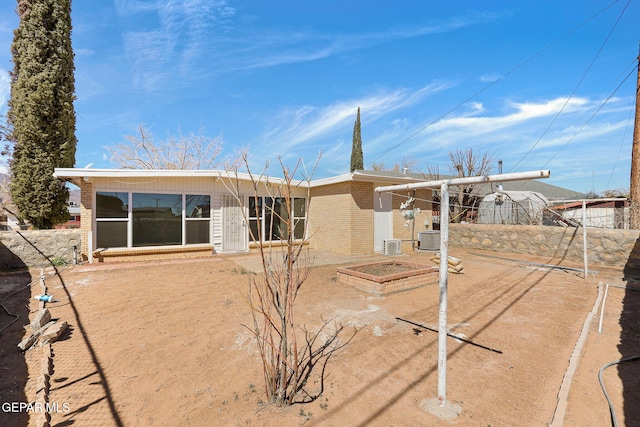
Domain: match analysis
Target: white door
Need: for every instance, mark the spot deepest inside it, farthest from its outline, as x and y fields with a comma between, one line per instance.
x=382, y=220
x=234, y=230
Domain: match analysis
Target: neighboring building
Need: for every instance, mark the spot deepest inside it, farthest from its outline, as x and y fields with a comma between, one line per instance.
x=601, y=213
x=74, y=217
x=130, y=212
x=512, y=207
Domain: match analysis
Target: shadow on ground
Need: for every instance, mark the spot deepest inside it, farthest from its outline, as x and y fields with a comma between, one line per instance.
x=629, y=371
x=15, y=294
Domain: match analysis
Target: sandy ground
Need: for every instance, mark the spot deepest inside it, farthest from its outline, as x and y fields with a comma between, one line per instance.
x=163, y=344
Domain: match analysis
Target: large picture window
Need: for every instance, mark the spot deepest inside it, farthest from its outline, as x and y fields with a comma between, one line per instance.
x=157, y=219
x=272, y=214
x=151, y=219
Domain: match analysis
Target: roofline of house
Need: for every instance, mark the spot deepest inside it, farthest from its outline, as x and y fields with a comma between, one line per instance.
x=76, y=175
x=363, y=176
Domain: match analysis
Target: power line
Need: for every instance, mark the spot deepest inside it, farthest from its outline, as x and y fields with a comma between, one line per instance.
x=584, y=75
x=595, y=113
x=505, y=75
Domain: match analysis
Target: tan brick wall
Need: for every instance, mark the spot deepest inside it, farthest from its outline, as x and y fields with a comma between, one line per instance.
x=330, y=218
x=341, y=217
x=86, y=222
x=362, y=218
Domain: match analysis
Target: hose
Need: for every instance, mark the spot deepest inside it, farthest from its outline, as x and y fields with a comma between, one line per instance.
x=614, y=420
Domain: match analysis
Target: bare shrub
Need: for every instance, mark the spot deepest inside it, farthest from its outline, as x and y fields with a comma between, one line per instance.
x=294, y=358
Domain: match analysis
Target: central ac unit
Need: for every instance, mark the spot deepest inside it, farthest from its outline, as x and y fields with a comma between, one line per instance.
x=392, y=247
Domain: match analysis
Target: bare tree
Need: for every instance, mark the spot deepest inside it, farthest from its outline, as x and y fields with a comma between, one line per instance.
x=466, y=164
x=463, y=164
x=407, y=164
x=294, y=358
x=143, y=151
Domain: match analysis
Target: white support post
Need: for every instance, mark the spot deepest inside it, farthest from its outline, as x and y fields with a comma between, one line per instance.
x=90, y=246
x=444, y=277
x=584, y=237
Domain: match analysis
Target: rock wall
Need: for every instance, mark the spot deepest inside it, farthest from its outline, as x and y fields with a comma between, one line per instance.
x=610, y=247
x=31, y=248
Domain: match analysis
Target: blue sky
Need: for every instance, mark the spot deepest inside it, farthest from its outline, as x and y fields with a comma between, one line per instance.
x=538, y=85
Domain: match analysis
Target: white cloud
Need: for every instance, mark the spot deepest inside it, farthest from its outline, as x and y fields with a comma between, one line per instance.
x=166, y=50
x=191, y=34
x=295, y=126
x=519, y=136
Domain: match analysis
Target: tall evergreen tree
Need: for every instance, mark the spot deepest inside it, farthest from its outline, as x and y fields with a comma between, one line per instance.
x=41, y=116
x=357, y=158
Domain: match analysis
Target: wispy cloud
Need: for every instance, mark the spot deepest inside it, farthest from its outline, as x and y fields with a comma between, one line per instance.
x=279, y=48
x=513, y=136
x=296, y=126
x=188, y=34
x=164, y=51
x=306, y=130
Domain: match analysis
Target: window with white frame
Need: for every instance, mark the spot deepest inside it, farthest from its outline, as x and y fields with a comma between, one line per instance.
x=151, y=219
x=269, y=218
x=112, y=219
x=197, y=218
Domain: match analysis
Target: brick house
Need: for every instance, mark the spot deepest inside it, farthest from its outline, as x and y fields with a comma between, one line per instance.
x=141, y=212
x=74, y=217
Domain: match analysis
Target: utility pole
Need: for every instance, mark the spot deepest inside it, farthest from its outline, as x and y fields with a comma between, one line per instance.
x=634, y=222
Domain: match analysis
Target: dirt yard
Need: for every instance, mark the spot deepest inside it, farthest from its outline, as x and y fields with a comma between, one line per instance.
x=163, y=344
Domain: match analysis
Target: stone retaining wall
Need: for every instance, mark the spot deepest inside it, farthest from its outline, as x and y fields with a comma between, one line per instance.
x=30, y=248
x=610, y=247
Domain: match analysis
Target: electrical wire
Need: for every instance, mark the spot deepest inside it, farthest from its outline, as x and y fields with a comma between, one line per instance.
x=624, y=137
x=505, y=75
x=575, y=89
x=595, y=113
x=612, y=411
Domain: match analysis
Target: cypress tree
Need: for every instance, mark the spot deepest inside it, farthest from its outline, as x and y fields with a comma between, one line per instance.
x=357, y=158
x=41, y=115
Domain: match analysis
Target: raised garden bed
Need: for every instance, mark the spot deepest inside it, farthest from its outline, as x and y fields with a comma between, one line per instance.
x=385, y=277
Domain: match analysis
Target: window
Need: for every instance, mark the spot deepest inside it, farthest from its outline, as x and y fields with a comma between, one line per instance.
x=152, y=219
x=276, y=219
x=272, y=216
x=255, y=218
x=157, y=219
x=112, y=215
x=197, y=218
x=299, y=217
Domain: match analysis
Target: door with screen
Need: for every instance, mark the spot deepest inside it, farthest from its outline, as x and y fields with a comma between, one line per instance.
x=234, y=232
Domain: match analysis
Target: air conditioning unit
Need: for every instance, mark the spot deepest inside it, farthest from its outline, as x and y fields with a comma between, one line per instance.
x=392, y=247
x=429, y=240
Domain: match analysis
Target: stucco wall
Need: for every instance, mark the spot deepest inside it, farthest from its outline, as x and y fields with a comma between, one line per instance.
x=31, y=248
x=604, y=246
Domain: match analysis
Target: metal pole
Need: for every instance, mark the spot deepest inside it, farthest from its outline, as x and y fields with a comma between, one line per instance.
x=413, y=223
x=584, y=237
x=444, y=277
x=517, y=176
